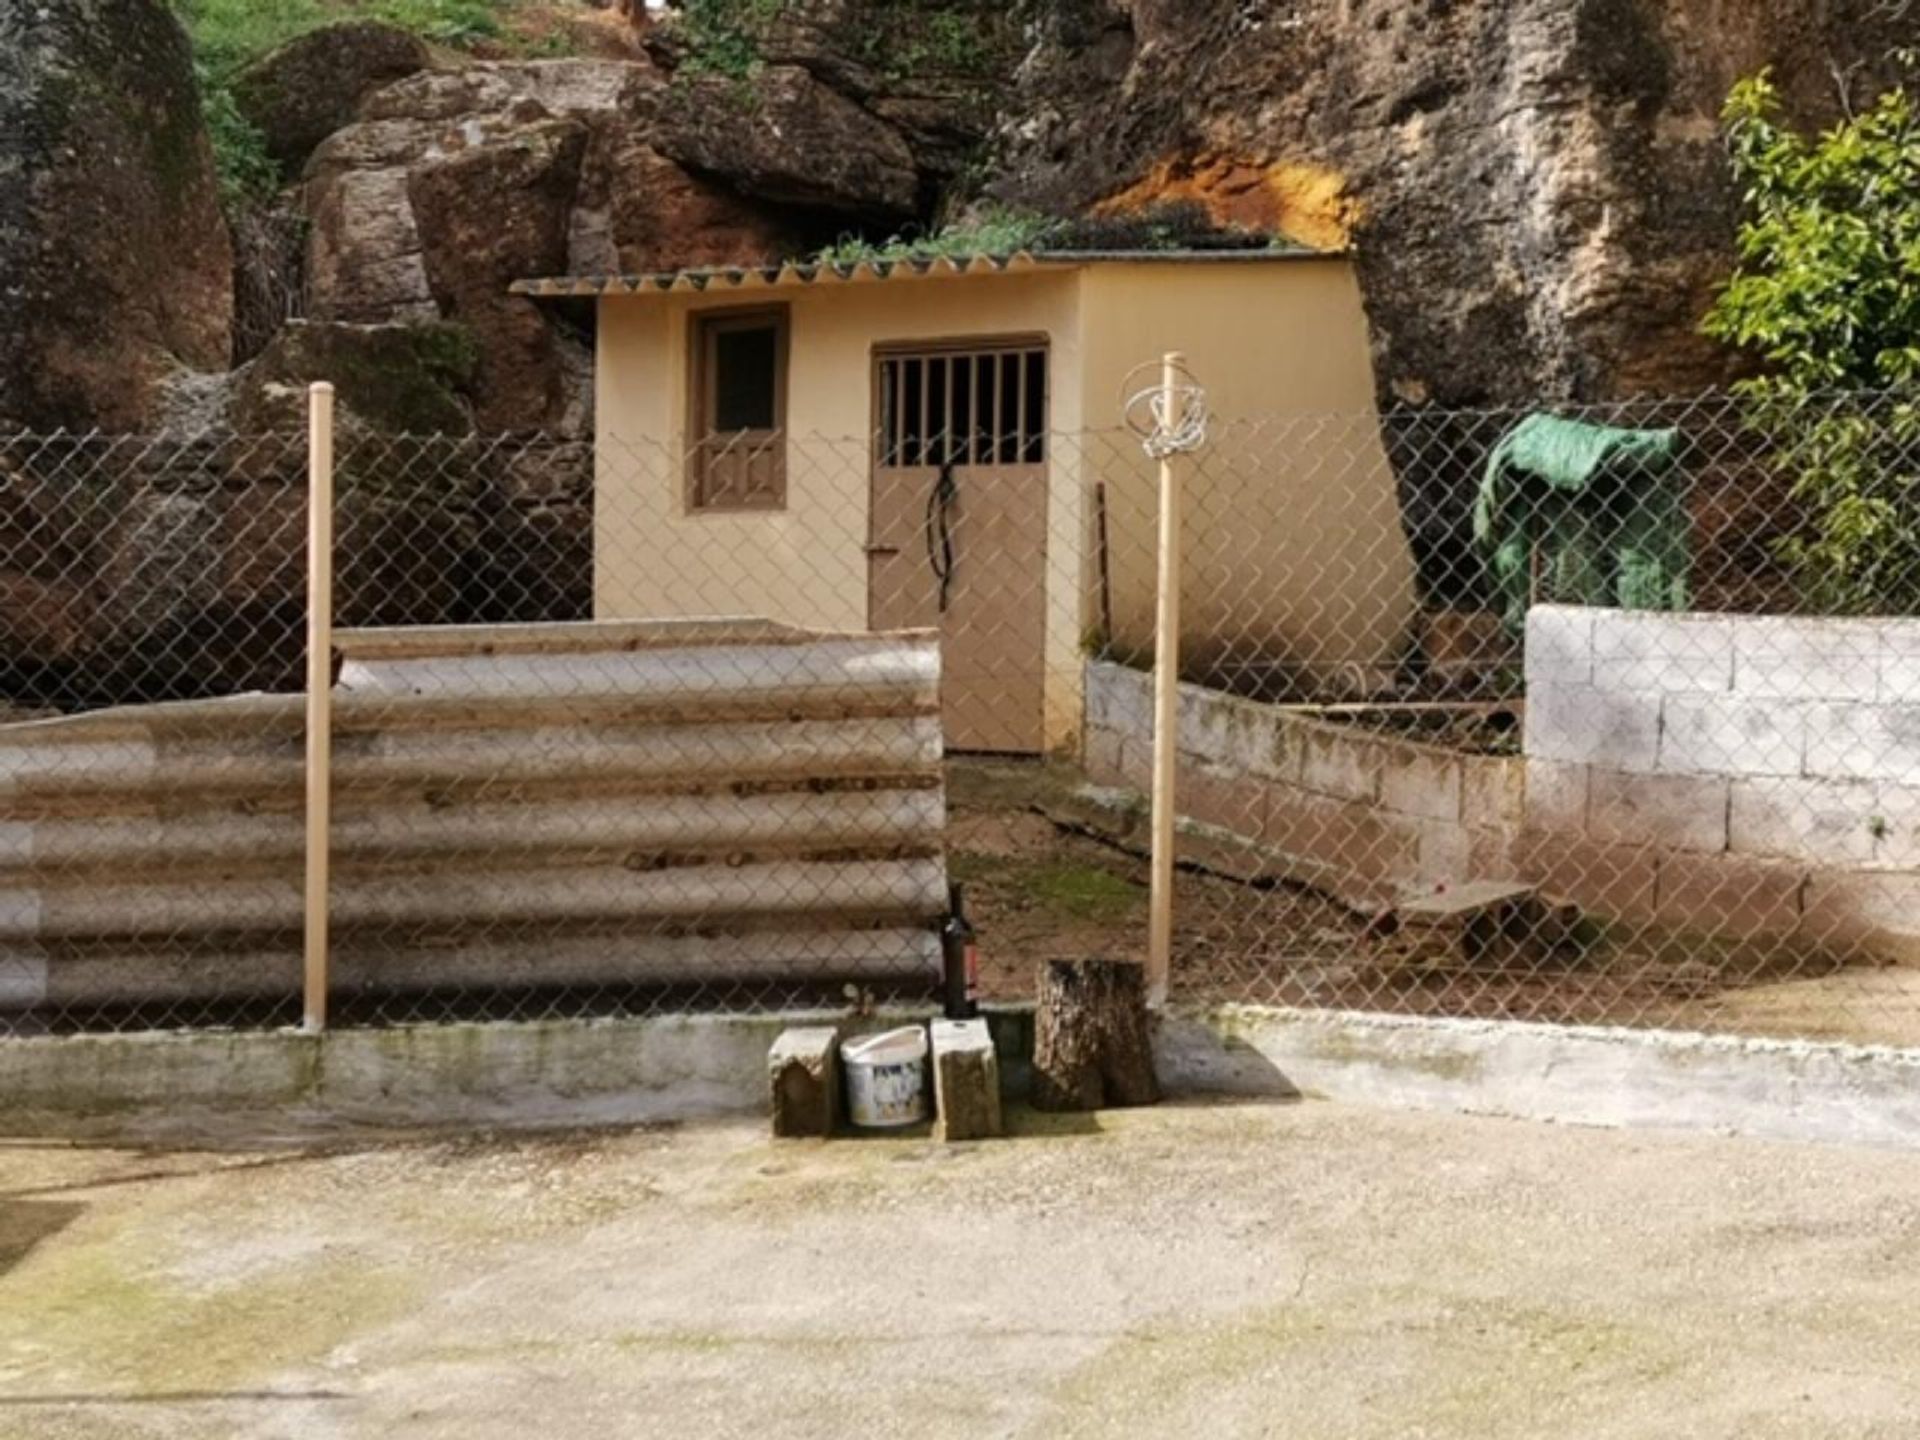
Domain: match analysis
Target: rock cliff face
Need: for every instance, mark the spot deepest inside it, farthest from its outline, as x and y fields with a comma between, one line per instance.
x=115, y=266
x=1537, y=189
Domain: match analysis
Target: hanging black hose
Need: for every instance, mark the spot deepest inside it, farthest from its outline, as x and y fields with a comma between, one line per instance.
x=940, y=502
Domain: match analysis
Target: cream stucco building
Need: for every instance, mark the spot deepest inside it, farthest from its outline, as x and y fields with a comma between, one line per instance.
x=941, y=443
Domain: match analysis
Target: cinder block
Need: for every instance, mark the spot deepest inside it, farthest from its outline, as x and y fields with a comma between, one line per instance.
x=1218, y=797
x=1722, y=734
x=1586, y=725
x=1864, y=742
x=1556, y=797
x=803, y=1072
x=1729, y=897
x=1205, y=724
x=1675, y=812
x=1119, y=698
x=1609, y=881
x=1899, y=662
x=966, y=1081
x=1344, y=766
x=1420, y=782
x=1263, y=741
x=1103, y=756
x=1493, y=852
x=1793, y=658
x=1351, y=838
x=1824, y=822
x=1444, y=853
x=1493, y=789
x=1892, y=821
x=1652, y=653
x=1863, y=914
x=1559, y=645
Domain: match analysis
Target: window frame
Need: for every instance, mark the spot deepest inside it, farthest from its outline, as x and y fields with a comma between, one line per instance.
x=704, y=327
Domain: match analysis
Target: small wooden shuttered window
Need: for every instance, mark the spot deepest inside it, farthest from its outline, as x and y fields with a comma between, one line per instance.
x=738, y=459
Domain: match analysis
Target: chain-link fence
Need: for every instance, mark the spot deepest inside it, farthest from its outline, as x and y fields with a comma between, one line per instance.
x=1598, y=718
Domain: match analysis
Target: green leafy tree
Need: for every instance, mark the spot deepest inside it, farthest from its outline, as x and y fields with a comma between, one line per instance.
x=1827, y=294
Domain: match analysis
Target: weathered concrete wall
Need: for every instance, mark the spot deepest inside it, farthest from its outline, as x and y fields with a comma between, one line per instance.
x=1362, y=815
x=1584, y=1075
x=523, y=807
x=1744, y=775
x=571, y=1072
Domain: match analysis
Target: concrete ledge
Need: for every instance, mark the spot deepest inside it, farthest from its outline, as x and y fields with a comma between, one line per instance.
x=1782, y=1090
x=556, y=1072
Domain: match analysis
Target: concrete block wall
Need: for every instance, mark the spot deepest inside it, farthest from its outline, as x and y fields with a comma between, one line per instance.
x=1366, y=816
x=1744, y=775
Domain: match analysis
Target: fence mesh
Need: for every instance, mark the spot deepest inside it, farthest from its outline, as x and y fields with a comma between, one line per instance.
x=1609, y=721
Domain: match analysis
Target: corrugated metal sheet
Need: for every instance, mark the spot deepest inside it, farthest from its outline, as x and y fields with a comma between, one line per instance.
x=794, y=273
x=567, y=805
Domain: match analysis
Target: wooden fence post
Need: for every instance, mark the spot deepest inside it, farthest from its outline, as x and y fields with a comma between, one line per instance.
x=319, y=699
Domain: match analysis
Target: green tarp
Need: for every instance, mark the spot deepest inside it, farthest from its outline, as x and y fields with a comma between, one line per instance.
x=1604, y=509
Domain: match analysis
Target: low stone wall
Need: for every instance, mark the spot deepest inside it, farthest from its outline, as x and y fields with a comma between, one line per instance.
x=1359, y=814
x=1739, y=775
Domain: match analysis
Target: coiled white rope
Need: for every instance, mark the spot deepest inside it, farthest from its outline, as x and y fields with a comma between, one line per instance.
x=1170, y=420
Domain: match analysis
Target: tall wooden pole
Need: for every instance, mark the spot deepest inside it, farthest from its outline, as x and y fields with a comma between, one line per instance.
x=319, y=697
x=1166, y=695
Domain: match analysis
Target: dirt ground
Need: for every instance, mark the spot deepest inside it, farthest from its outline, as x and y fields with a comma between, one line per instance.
x=1297, y=1271
x=1037, y=890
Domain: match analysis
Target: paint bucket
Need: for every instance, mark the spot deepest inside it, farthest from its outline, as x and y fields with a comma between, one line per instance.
x=887, y=1078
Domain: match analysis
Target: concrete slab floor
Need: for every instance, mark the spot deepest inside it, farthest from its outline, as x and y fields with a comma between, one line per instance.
x=1301, y=1271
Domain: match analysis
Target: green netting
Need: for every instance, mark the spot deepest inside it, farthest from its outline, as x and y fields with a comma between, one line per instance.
x=1583, y=514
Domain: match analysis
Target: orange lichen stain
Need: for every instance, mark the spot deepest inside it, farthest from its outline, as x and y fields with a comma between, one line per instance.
x=1302, y=203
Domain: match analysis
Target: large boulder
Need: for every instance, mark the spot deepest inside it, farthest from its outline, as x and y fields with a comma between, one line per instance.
x=1537, y=191
x=313, y=85
x=454, y=184
x=115, y=262
x=406, y=379
x=797, y=141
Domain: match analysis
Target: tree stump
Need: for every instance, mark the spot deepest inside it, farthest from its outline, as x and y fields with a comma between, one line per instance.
x=1091, y=1045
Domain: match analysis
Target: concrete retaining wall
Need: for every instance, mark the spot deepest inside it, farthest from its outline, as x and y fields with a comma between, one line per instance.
x=1744, y=775
x=515, y=807
x=1362, y=815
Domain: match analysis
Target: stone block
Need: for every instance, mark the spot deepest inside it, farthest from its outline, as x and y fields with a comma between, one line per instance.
x=1606, y=880
x=1559, y=645
x=1723, y=734
x=803, y=1073
x=1864, y=742
x=1583, y=724
x=1658, y=654
x=1344, y=766
x=1792, y=658
x=1823, y=822
x=966, y=1081
x=1729, y=897
x=1675, y=812
x=1421, y=782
